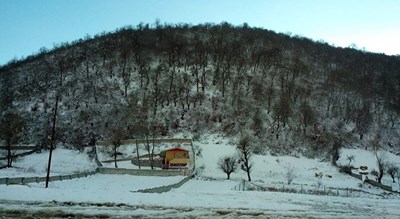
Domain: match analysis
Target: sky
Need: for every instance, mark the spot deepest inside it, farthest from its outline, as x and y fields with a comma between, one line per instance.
x=28, y=25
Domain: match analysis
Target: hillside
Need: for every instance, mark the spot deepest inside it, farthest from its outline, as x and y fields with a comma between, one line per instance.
x=290, y=94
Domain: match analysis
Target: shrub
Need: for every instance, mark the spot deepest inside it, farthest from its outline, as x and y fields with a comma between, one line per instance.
x=345, y=169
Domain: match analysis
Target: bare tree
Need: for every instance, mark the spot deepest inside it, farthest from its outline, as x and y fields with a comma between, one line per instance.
x=380, y=157
x=257, y=123
x=374, y=142
x=307, y=115
x=290, y=174
x=363, y=120
x=228, y=164
x=350, y=159
x=6, y=90
x=244, y=152
x=137, y=153
x=282, y=111
x=380, y=161
x=392, y=170
x=11, y=126
x=117, y=134
x=398, y=176
x=335, y=151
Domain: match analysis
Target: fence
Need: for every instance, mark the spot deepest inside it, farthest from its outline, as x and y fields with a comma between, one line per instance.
x=25, y=180
x=22, y=154
x=374, y=183
x=166, y=188
x=241, y=186
x=141, y=172
x=185, y=172
x=122, y=159
x=302, y=189
x=19, y=147
x=145, y=141
x=162, y=173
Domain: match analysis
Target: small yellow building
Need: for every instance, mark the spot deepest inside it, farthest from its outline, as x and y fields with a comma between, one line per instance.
x=175, y=158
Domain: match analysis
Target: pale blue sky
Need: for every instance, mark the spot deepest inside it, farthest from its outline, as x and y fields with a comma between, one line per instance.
x=28, y=25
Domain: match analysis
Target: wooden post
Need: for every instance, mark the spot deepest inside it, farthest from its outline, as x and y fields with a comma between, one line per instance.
x=52, y=142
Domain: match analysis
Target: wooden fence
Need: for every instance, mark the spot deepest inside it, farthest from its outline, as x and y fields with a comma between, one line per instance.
x=25, y=180
x=19, y=147
x=145, y=141
x=374, y=183
x=186, y=172
x=22, y=154
x=303, y=189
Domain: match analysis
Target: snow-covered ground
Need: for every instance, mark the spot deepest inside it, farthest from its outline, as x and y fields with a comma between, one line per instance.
x=272, y=170
x=64, y=162
x=99, y=187
x=368, y=158
x=207, y=195
x=197, y=198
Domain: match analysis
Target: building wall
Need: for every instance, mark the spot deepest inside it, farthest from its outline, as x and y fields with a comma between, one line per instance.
x=176, y=154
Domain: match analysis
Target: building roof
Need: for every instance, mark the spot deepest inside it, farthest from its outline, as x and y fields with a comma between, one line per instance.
x=177, y=149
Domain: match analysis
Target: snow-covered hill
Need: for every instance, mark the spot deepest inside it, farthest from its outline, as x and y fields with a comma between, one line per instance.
x=294, y=96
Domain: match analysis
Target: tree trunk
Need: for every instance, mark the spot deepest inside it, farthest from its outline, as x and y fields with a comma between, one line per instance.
x=152, y=155
x=137, y=153
x=115, y=156
x=148, y=149
x=248, y=175
x=380, y=176
x=9, y=156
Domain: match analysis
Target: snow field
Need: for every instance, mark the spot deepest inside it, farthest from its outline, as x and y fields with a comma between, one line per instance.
x=206, y=197
x=272, y=170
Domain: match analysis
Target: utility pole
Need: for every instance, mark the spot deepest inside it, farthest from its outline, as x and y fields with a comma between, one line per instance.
x=52, y=142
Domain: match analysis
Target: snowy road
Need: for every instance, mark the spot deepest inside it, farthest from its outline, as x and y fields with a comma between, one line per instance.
x=56, y=209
